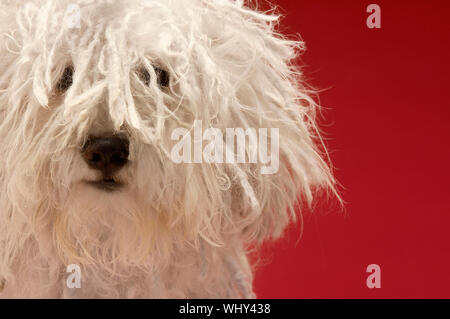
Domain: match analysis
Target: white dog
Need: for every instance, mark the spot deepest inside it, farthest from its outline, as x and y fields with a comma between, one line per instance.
x=91, y=93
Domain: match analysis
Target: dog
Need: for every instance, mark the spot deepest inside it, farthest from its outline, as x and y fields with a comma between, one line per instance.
x=96, y=100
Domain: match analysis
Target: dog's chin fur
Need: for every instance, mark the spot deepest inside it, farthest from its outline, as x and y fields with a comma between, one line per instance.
x=170, y=230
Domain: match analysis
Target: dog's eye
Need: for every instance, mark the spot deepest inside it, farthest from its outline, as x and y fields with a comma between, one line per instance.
x=66, y=79
x=162, y=77
x=144, y=75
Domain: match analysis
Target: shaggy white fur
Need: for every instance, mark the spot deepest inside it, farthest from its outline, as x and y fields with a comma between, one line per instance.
x=174, y=230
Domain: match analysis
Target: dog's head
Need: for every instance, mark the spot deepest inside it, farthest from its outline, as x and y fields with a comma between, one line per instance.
x=117, y=122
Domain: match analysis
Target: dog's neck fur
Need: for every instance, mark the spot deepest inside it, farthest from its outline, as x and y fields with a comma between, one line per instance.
x=186, y=276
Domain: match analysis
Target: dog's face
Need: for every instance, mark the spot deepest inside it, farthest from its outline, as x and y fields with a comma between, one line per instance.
x=91, y=93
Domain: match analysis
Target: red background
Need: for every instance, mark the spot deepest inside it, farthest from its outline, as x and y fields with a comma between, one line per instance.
x=387, y=122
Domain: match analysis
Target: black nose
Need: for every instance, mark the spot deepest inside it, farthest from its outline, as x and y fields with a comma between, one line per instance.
x=107, y=154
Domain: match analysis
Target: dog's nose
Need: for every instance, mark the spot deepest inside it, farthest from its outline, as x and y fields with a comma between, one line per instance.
x=107, y=154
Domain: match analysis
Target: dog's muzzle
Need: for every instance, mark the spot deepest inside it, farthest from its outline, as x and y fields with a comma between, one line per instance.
x=107, y=155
